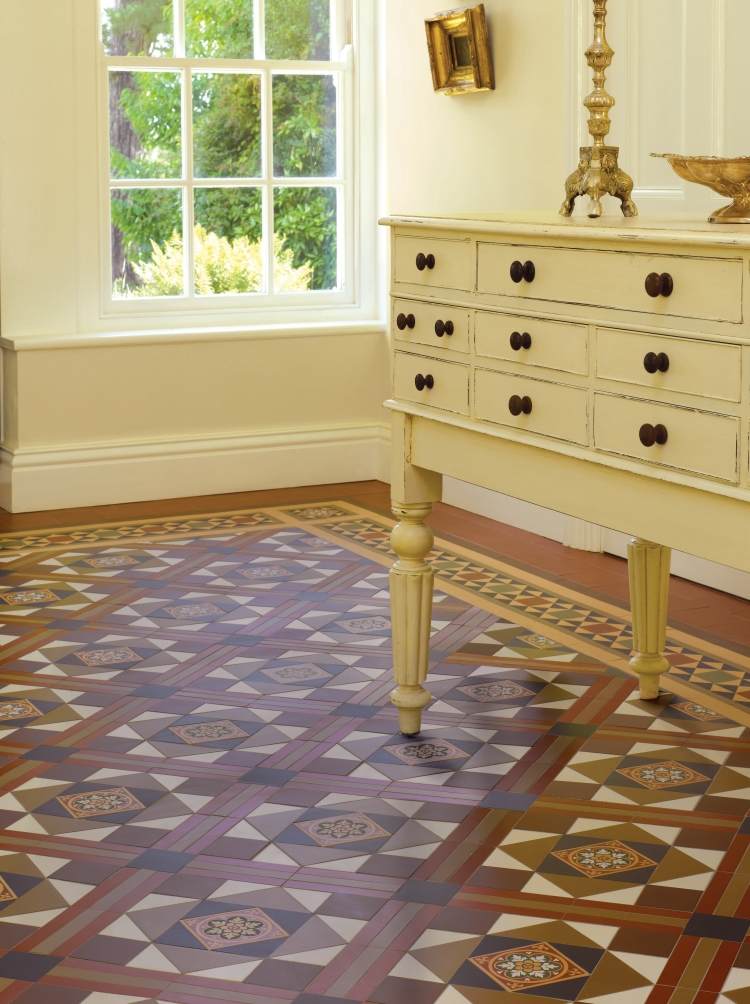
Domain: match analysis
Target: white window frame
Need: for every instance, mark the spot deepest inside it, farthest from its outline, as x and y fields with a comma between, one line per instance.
x=353, y=22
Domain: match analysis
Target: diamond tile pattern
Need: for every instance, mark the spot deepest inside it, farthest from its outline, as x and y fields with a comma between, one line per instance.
x=206, y=798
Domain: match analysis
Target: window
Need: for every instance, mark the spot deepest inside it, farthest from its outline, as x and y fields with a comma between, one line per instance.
x=229, y=151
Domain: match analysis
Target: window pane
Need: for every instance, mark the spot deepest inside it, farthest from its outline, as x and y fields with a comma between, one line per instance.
x=144, y=125
x=298, y=29
x=219, y=29
x=306, y=235
x=304, y=126
x=228, y=240
x=137, y=27
x=226, y=125
x=147, y=242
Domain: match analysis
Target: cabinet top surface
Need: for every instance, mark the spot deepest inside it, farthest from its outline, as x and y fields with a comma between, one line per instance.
x=677, y=230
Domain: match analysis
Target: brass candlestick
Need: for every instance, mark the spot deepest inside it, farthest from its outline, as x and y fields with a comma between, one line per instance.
x=598, y=172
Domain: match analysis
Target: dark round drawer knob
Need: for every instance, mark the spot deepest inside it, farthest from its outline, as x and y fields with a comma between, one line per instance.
x=659, y=285
x=520, y=341
x=520, y=405
x=444, y=328
x=404, y=321
x=424, y=382
x=656, y=362
x=520, y=271
x=421, y=262
x=401, y=322
x=431, y=262
x=653, y=435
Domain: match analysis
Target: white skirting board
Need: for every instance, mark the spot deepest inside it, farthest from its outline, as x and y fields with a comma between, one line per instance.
x=584, y=536
x=42, y=479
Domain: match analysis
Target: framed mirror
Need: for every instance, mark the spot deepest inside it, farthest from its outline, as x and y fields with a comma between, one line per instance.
x=460, y=57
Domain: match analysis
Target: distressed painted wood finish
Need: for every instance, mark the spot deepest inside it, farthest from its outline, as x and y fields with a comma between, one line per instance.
x=547, y=395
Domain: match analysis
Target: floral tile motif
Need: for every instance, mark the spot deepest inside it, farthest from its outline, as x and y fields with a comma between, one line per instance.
x=103, y=806
x=190, y=610
x=523, y=694
x=104, y=802
x=529, y=967
x=199, y=733
x=13, y=711
x=296, y=675
x=697, y=711
x=6, y=893
x=332, y=674
x=21, y=596
x=195, y=731
x=668, y=774
x=477, y=955
x=496, y=691
x=28, y=714
x=333, y=831
x=308, y=513
x=616, y=769
x=415, y=754
x=610, y=858
x=605, y=860
x=265, y=572
x=117, y=562
x=229, y=930
x=505, y=640
x=668, y=714
x=107, y=655
x=385, y=838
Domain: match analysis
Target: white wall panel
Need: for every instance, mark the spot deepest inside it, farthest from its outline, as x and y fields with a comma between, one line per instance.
x=678, y=79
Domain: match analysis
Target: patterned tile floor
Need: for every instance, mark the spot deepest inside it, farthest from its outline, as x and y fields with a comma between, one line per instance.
x=205, y=798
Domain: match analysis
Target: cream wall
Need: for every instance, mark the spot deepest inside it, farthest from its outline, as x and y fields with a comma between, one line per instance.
x=479, y=152
x=100, y=408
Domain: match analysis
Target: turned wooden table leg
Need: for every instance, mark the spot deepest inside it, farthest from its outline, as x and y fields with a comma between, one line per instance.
x=411, y=583
x=648, y=569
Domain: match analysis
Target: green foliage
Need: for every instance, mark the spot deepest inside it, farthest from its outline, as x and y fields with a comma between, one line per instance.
x=150, y=104
x=226, y=123
x=146, y=216
x=219, y=29
x=298, y=29
x=138, y=28
x=227, y=135
x=221, y=266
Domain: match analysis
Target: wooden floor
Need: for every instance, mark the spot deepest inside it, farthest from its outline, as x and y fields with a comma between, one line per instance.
x=701, y=610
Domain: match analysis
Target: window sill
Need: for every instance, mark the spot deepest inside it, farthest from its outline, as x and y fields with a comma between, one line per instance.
x=106, y=339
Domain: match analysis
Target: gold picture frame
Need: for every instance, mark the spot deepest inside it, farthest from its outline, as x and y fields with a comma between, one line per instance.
x=459, y=48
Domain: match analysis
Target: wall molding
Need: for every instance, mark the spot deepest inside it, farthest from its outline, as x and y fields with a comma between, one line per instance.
x=38, y=479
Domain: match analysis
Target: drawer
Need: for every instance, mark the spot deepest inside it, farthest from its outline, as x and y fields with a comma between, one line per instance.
x=707, y=369
x=698, y=441
x=704, y=288
x=428, y=321
x=454, y=268
x=557, y=411
x=553, y=345
x=450, y=390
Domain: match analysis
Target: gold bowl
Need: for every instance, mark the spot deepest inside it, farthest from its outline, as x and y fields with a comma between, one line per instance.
x=729, y=176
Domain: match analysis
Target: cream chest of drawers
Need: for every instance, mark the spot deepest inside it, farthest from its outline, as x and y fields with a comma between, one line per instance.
x=599, y=370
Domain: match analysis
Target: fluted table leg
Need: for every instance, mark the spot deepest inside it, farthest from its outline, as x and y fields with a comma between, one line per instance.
x=411, y=584
x=648, y=568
